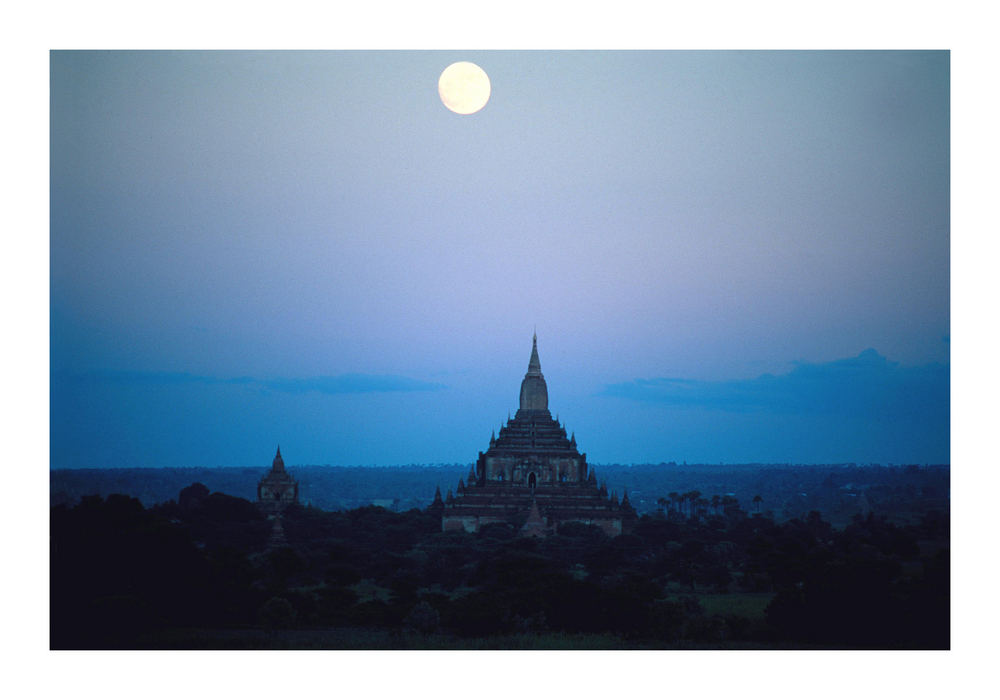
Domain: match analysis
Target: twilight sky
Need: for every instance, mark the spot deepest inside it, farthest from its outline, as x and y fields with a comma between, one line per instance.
x=729, y=257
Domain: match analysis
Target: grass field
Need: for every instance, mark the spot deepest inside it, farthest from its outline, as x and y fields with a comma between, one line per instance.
x=748, y=605
x=374, y=639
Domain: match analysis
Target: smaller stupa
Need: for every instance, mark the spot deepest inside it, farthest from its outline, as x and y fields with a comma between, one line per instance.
x=277, y=538
x=535, y=525
x=277, y=490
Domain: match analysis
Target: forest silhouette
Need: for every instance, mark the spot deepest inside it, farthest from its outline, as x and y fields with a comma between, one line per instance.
x=702, y=572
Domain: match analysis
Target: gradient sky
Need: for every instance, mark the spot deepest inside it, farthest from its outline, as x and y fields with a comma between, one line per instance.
x=728, y=256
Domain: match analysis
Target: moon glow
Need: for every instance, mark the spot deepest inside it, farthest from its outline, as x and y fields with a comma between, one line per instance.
x=464, y=87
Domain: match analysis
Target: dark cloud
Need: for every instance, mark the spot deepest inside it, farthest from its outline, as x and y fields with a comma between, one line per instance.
x=866, y=384
x=339, y=384
x=352, y=384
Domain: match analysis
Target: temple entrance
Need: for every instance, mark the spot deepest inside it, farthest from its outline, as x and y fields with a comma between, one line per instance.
x=532, y=480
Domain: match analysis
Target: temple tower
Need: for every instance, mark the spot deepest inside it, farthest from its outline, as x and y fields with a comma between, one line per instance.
x=277, y=490
x=534, y=392
x=532, y=475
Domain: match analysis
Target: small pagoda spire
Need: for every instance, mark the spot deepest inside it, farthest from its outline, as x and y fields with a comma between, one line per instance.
x=278, y=464
x=461, y=486
x=626, y=504
x=472, y=476
x=277, y=536
x=437, y=505
x=535, y=525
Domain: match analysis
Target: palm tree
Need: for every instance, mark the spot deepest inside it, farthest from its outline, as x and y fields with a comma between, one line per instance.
x=701, y=505
x=693, y=497
x=728, y=501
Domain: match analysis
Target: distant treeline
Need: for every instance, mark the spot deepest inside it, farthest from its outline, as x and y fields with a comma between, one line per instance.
x=902, y=493
x=899, y=493
x=327, y=487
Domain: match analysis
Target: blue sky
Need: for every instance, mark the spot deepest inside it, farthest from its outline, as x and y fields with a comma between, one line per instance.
x=729, y=256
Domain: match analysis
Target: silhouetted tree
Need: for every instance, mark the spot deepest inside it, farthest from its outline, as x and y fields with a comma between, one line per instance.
x=192, y=496
x=277, y=613
x=674, y=498
x=423, y=618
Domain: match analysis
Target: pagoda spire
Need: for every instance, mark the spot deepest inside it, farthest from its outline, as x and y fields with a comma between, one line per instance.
x=534, y=366
x=437, y=505
x=534, y=393
x=278, y=464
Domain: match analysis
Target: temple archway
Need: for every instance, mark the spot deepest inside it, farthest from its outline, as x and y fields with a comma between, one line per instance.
x=532, y=480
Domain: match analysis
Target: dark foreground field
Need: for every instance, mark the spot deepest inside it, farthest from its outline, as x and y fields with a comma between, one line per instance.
x=199, y=573
x=381, y=639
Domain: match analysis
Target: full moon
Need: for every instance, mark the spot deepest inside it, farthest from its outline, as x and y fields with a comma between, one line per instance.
x=464, y=87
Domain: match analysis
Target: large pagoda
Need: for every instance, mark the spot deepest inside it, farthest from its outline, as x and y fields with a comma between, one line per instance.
x=532, y=476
